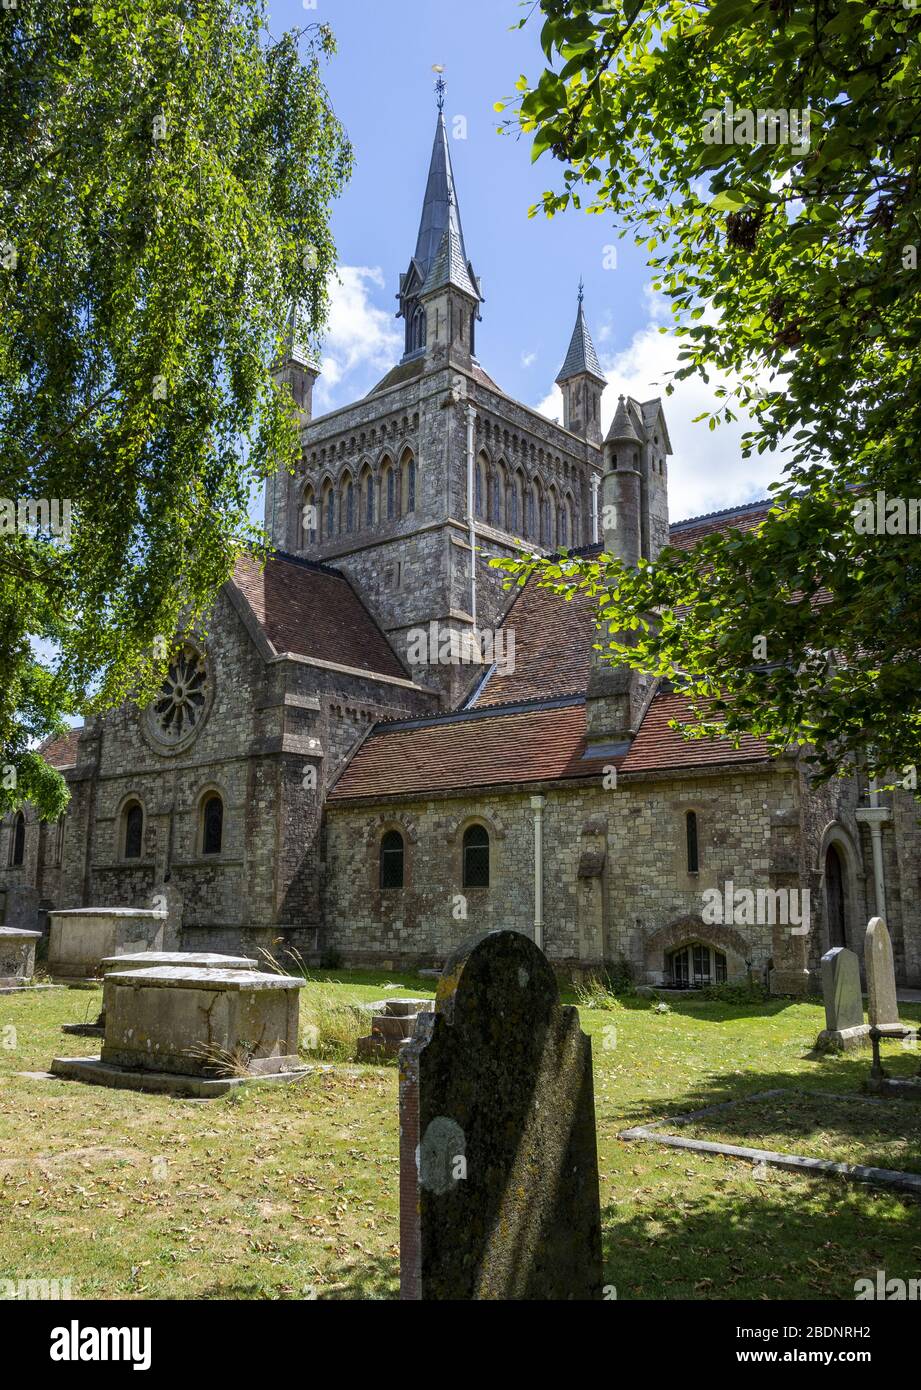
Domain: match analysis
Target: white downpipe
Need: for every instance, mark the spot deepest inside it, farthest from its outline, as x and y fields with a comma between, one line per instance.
x=471, y=506
x=876, y=840
x=537, y=806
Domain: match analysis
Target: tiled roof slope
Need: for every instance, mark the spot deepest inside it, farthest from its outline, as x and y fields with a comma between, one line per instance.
x=553, y=639
x=313, y=611
x=61, y=752
x=544, y=743
x=657, y=748
x=554, y=636
x=537, y=744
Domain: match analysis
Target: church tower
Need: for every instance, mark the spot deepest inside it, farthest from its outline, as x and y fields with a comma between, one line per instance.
x=415, y=488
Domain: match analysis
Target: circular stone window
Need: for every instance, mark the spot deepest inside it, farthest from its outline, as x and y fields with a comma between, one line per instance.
x=181, y=708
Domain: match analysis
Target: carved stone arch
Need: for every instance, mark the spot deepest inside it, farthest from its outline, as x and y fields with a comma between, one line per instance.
x=843, y=923
x=492, y=823
x=407, y=826
x=691, y=927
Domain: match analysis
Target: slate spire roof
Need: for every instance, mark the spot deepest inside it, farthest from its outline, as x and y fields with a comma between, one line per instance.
x=440, y=210
x=581, y=357
x=622, y=426
x=450, y=268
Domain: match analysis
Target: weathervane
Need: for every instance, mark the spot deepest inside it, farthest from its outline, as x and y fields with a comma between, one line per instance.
x=581, y=289
x=440, y=86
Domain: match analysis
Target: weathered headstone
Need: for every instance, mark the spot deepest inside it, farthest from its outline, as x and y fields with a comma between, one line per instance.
x=879, y=964
x=498, y=1155
x=844, y=1025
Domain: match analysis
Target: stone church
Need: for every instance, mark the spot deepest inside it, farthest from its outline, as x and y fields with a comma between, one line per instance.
x=378, y=750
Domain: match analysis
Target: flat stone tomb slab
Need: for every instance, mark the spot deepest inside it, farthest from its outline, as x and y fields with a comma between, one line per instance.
x=209, y=1023
x=183, y=960
x=98, y=1073
x=81, y=938
x=17, y=956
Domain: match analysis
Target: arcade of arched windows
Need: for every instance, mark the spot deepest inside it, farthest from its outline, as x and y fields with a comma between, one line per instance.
x=360, y=497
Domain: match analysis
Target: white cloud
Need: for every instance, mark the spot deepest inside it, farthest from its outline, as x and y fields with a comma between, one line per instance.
x=528, y=359
x=361, y=338
x=707, y=471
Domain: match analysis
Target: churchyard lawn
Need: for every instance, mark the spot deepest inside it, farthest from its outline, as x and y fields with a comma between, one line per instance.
x=291, y=1191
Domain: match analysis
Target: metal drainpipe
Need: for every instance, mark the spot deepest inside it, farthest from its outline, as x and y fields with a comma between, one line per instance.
x=471, y=506
x=876, y=840
x=594, y=482
x=537, y=806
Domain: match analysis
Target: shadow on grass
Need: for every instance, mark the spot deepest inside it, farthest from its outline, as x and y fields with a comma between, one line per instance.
x=812, y=1244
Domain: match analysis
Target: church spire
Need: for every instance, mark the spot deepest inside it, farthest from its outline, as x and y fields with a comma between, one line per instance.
x=440, y=250
x=581, y=357
x=582, y=380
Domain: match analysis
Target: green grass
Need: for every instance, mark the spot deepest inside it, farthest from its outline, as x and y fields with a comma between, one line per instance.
x=277, y=1191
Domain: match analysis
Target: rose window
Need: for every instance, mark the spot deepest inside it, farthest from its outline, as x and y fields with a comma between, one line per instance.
x=183, y=700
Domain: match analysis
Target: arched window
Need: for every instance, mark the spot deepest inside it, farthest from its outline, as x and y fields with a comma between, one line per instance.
x=329, y=512
x=367, y=497
x=389, y=490
x=476, y=857
x=696, y=965
x=346, y=505
x=409, y=482
x=691, y=830
x=19, y=840
x=566, y=522
x=392, y=860
x=500, y=489
x=546, y=522
x=212, y=824
x=415, y=329
x=533, y=509
x=479, y=486
x=309, y=518
x=133, y=830
x=835, y=898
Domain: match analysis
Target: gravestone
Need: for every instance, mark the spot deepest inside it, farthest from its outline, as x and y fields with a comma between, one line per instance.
x=879, y=964
x=498, y=1155
x=844, y=1025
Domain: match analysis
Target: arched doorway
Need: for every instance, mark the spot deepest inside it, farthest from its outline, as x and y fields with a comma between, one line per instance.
x=834, y=897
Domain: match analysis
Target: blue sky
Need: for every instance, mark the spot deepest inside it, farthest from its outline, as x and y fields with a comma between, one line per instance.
x=381, y=83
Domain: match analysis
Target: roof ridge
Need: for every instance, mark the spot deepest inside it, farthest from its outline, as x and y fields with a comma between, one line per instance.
x=465, y=716
x=725, y=511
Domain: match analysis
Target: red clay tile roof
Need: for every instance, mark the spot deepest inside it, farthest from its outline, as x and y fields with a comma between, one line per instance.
x=540, y=744
x=554, y=635
x=553, y=639
x=312, y=610
x=62, y=751
x=537, y=744
x=657, y=747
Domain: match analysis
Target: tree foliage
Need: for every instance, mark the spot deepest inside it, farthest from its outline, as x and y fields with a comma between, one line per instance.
x=166, y=175
x=791, y=265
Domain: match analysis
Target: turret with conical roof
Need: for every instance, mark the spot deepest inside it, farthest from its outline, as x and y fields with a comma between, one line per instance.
x=582, y=382
x=440, y=261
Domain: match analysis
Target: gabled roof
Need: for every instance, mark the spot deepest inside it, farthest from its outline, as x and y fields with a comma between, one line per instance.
x=581, y=358
x=61, y=752
x=311, y=610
